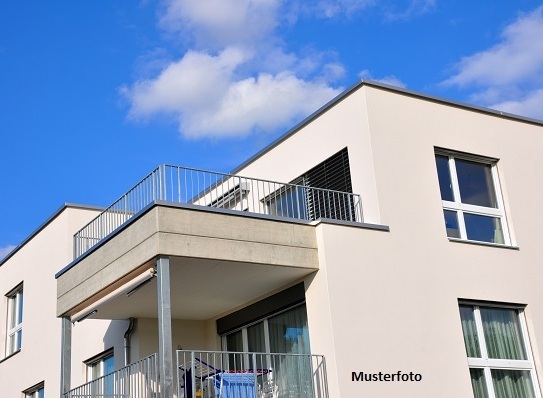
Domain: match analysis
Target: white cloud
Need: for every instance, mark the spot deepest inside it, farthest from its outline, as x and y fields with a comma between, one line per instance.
x=530, y=105
x=4, y=251
x=516, y=59
x=196, y=81
x=236, y=77
x=390, y=79
x=509, y=75
x=264, y=103
x=332, y=8
x=219, y=23
x=407, y=11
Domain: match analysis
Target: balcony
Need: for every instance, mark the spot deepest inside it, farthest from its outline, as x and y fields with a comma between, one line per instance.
x=217, y=374
x=207, y=189
x=188, y=247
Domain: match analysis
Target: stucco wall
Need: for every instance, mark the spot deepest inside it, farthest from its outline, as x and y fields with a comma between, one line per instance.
x=35, y=265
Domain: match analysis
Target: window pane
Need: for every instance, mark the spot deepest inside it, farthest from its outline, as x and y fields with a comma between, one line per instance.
x=470, y=331
x=451, y=223
x=483, y=228
x=255, y=337
x=478, y=383
x=444, y=175
x=289, y=333
x=19, y=339
x=512, y=384
x=11, y=312
x=475, y=182
x=255, y=340
x=109, y=365
x=502, y=333
x=20, y=307
x=234, y=342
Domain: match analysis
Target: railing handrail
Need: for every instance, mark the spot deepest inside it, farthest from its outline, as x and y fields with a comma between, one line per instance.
x=251, y=374
x=121, y=197
x=252, y=352
x=133, y=369
x=190, y=185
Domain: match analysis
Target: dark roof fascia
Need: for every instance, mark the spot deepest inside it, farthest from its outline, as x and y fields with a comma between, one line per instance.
x=387, y=87
x=45, y=224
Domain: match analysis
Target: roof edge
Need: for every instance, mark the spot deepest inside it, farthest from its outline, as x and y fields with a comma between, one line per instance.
x=50, y=219
x=388, y=87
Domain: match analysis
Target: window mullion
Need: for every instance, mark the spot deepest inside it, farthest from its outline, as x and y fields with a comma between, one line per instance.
x=489, y=384
x=245, y=339
x=480, y=332
x=484, y=351
x=267, y=344
x=457, y=198
x=454, y=180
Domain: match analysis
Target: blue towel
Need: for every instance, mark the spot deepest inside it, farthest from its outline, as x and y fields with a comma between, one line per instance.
x=236, y=385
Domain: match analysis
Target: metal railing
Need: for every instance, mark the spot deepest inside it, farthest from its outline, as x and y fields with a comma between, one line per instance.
x=211, y=189
x=137, y=380
x=216, y=374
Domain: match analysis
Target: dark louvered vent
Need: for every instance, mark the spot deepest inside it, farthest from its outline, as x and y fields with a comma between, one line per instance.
x=334, y=176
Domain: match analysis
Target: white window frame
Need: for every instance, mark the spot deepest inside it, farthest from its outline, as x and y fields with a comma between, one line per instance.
x=487, y=364
x=98, y=362
x=461, y=208
x=264, y=321
x=34, y=391
x=14, y=329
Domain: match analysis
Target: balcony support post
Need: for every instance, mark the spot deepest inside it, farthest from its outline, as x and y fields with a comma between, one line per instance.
x=66, y=356
x=165, y=353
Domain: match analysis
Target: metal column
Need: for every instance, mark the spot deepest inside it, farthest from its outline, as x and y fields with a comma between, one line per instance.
x=66, y=356
x=165, y=354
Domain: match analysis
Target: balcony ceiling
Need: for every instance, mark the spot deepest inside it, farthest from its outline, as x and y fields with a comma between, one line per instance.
x=202, y=289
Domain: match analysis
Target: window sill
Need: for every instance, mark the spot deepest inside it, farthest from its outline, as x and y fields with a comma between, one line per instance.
x=10, y=355
x=479, y=243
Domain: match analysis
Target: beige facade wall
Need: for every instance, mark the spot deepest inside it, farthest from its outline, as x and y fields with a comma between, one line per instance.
x=388, y=301
x=35, y=264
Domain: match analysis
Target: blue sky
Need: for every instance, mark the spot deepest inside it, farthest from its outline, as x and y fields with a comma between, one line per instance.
x=95, y=94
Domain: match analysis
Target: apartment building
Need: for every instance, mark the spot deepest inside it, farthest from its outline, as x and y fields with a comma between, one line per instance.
x=387, y=246
x=30, y=332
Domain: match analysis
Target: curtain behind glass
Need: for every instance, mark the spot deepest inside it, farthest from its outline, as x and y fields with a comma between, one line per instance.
x=512, y=384
x=470, y=331
x=255, y=340
x=234, y=342
x=289, y=334
x=478, y=383
x=502, y=333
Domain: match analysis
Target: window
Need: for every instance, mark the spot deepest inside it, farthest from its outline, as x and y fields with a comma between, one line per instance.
x=100, y=370
x=36, y=391
x=499, y=356
x=283, y=333
x=15, y=320
x=472, y=205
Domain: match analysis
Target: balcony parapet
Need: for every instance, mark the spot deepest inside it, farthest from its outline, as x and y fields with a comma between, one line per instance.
x=219, y=190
